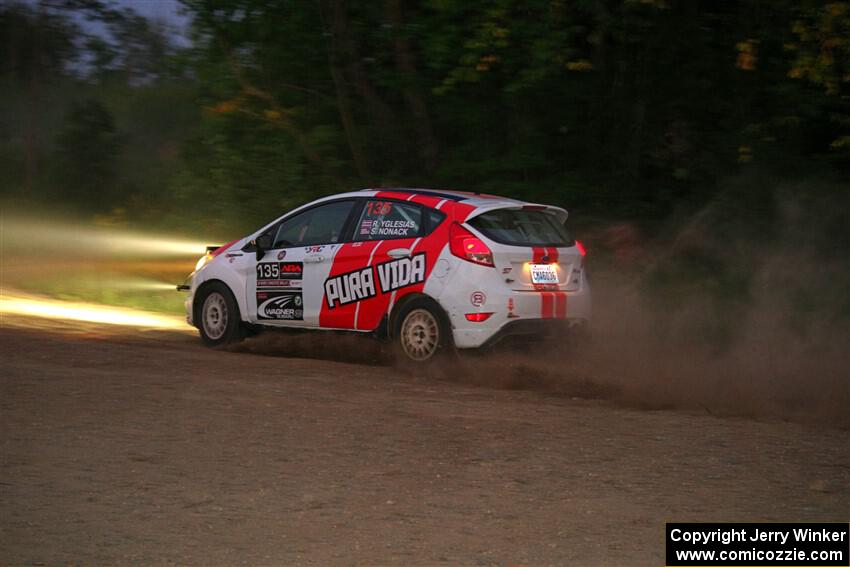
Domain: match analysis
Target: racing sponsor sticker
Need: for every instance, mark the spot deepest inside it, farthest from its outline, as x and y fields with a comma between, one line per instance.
x=279, y=274
x=364, y=283
x=348, y=288
x=478, y=298
x=280, y=305
x=400, y=273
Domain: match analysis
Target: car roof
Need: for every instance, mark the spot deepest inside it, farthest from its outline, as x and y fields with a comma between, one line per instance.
x=481, y=202
x=472, y=199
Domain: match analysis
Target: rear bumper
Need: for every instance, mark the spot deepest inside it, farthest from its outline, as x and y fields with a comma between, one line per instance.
x=532, y=329
x=533, y=314
x=537, y=331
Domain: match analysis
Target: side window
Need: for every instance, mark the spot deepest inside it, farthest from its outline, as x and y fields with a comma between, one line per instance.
x=434, y=219
x=385, y=220
x=320, y=225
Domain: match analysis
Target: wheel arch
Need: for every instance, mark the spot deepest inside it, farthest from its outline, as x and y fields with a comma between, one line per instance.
x=398, y=308
x=199, y=294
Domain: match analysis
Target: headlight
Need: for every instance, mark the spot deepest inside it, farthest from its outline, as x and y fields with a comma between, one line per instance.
x=203, y=261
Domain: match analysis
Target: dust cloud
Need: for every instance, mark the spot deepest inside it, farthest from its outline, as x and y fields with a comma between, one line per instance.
x=340, y=347
x=767, y=371
x=717, y=316
x=726, y=315
x=737, y=309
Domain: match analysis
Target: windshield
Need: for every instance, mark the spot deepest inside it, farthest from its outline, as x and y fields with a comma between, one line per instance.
x=522, y=228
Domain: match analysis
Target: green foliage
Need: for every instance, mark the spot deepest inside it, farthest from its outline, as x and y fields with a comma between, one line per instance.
x=631, y=109
x=87, y=148
x=648, y=113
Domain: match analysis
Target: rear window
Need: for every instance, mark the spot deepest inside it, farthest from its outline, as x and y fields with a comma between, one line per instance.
x=522, y=228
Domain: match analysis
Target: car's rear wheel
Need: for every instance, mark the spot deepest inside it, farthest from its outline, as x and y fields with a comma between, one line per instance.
x=422, y=334
x=219, y=316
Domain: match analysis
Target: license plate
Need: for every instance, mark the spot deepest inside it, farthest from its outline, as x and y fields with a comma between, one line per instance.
x=544, y=274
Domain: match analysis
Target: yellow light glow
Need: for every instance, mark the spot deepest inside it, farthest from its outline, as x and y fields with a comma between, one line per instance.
x=203, y=261
x=32, y=234
x=33, y=306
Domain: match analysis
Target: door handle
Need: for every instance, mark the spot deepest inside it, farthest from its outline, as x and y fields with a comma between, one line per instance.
x=314, y=259
x=399, y=253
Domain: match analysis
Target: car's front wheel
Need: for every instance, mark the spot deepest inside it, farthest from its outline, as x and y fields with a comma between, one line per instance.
x=422, y=334
x=219, y=316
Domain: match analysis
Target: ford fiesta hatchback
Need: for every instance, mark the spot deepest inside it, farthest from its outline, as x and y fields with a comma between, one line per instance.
x=430, y=270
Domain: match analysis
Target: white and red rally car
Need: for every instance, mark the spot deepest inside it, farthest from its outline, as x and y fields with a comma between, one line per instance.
x=432, y=270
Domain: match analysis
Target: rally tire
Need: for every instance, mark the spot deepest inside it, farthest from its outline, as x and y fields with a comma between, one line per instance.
x=422, y=333
x=219, y=321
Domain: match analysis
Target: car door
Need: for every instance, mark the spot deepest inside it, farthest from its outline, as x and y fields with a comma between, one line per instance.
x=285, y=288
x=380, y=262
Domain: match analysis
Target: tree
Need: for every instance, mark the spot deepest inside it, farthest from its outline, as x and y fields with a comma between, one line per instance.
x=87, y=148
x=39, y=47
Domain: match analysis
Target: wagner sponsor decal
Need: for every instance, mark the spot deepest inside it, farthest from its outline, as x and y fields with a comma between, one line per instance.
x=361, y=284
x=279, y=274
x=280, y=305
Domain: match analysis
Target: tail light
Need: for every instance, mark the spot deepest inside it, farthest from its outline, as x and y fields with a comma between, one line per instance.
x=581, y=250
x=469, y=247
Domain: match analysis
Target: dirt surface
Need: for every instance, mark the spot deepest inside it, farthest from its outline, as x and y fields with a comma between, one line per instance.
x=144, y=448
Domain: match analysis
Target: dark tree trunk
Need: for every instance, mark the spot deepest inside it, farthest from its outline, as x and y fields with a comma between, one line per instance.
x=406, y=65
x=382, y=115
x=346, y=112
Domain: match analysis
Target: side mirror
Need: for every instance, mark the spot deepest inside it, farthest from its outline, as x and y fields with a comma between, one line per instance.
x=262, y=244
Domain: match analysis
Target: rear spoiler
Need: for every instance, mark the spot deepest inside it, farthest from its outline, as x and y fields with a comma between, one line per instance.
x=560, y=213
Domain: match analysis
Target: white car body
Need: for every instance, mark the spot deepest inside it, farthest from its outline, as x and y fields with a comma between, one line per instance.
x=358, y=285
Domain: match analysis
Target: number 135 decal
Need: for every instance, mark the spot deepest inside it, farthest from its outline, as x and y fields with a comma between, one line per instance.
x=269, y=270
x=379, y=208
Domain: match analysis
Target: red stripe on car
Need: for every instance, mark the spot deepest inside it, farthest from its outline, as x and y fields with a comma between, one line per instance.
x=560, y=305
x=538, y=255
x=344, y=261
x=392, y=195
x=223, y=248
x=547, y=305
x=370, y=312
x=427, y=200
